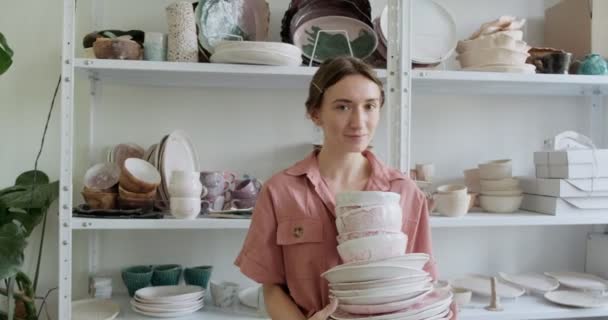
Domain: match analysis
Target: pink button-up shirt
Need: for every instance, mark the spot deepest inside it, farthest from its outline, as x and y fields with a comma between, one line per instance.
x=292, y=238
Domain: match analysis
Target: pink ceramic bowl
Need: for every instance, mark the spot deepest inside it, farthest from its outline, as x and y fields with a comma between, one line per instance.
x=362, y=234
x=387, y=218
x=373, y=248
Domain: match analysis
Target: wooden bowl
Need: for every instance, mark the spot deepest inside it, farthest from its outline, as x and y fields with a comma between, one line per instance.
x=100, y=200
x=134, y=195
x=139, y=176
x=120, y=49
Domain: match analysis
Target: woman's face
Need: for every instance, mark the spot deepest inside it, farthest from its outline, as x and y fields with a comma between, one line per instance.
x=349, y=113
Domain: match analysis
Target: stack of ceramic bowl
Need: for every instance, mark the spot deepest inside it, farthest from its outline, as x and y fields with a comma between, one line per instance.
x=257, y=52
x=378, y=277
x=453, y=200
x=119, y=153
x=168, y=301
x=497, y=46
x=500, y=192
x=186, y=191
x=137, y=185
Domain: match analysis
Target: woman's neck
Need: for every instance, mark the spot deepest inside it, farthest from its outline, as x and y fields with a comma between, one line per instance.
x=343, y=171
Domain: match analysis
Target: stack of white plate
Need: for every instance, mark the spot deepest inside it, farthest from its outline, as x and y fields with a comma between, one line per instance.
x=168, y=301
x=174, y=152
x=257, y=52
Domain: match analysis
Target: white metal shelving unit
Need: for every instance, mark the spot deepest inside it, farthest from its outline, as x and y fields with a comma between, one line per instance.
x=401, y=83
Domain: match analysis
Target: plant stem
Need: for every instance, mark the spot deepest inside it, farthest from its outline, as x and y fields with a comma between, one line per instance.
x=40, y=250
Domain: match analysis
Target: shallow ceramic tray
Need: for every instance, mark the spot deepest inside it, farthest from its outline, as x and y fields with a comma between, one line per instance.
x=531, y=281
x=577, y=299
x=481, y=285
x=577, y=280
x=94, y=309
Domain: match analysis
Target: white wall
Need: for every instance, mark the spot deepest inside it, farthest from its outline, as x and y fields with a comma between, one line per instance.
x=261, y=132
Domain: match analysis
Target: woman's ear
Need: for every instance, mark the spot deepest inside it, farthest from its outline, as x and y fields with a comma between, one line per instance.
x=315, y=117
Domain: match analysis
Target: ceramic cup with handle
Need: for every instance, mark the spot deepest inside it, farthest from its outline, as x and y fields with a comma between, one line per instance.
x=242, y=203
x=246, y=189
x=215, y=183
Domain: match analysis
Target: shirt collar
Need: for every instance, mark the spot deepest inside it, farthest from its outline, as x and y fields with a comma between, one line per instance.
x=380, y=179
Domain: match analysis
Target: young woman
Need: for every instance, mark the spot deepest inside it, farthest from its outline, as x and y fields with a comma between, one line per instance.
x=292, y=238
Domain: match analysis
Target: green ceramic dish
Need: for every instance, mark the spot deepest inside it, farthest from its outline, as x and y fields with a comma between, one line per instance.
x=136, y=277
x=166, y=275
x=198, y=276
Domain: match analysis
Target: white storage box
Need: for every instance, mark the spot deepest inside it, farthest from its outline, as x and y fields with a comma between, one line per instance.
x=556, y=206
x=562, y=188
x=571, y=164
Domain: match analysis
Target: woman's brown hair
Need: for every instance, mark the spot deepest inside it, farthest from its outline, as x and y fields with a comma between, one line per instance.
x=333, y=70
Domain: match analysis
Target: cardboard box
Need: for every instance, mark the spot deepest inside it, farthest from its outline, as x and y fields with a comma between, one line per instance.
x=565, y=188
x=558, y=206
x=578, y=26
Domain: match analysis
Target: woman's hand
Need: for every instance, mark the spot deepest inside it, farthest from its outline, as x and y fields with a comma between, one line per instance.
x=324, y=313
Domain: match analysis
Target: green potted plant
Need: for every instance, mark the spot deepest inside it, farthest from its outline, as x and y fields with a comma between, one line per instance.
x=6, y=55
x=22, y=207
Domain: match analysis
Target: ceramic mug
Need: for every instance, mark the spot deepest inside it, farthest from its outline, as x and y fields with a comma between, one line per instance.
x=246, y=189
x=242, y=203
x=224, y=293
x=215, y=182
x=212, y=203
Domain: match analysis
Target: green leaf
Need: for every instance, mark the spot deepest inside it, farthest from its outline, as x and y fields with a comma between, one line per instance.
x=32, y=177
x=28, y=219
x=30, y=196
x=12, y=244
x=6, y=55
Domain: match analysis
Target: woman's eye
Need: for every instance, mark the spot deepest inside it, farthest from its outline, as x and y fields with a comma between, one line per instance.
x=342, y=107
x=371, y=107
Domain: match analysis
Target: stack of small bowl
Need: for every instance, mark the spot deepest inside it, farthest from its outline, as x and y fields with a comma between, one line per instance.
x=138, y=184
x=500, y=192
x=100, y=186
x=186, y=191
x=377, y=277
x=497, y=47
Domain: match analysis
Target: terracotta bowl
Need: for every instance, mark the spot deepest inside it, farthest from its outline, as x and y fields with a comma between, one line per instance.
x=133, y=195
x=139, y=176
x=100, y=200
x=146, y=205
x=120, y=49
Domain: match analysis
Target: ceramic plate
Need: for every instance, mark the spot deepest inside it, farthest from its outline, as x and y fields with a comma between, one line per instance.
x=577, y=299
x=177, y=153
x=435, y=304
x=164, y=294
x=220, y=19
x=257, y=57
x=381, y=283
x=94, y=309
x=382, y=308
x=167, y=314
x=384, y=291
x=523, y=68
x=362, y=38
x=382, y=296
x=162, y=303
x=434, y=32
x=166, y=307
x=531, y=281
x=409, y=260
x=367, y=273
x=481, y=285
x=578, y=280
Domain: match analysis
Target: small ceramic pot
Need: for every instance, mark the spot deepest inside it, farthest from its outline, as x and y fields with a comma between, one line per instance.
x=185, y=208
x=186, y=184
x=593, y=64
x=425, y=172
x=198, y=276
x=224, y=293
x=136, y=277
x=166, y=275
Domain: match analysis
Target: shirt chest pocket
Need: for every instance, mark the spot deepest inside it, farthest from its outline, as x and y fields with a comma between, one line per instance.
x=302, y=243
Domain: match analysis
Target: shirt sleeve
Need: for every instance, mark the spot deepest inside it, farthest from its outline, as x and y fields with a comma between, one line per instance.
x=417, y=226
x=261, y=258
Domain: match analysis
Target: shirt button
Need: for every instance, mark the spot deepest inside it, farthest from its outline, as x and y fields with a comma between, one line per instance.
x=298, y=232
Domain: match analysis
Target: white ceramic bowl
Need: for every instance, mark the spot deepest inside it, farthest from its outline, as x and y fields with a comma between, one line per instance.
x=500, y=204
x=492, y=56
x=362, y=198
x=455, y=189
x=185, y=208
x=452, y=205
x=512, y=192
x=186, y=184
x=496, y=40
x=499, y=185
x=495, y=170
x=387, y=218
x=362, y=234
x=373, y=248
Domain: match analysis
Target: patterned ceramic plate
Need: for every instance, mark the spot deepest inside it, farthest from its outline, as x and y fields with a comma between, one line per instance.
x=334, y=42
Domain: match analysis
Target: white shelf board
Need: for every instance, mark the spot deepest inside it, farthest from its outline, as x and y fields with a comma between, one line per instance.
x=521, y=218
x=167, y=223
x=466, y=82
x=183, y=74
x=209, y=312
x=526, y=307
